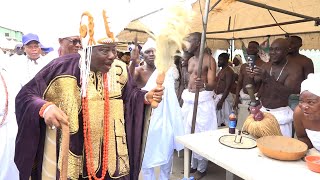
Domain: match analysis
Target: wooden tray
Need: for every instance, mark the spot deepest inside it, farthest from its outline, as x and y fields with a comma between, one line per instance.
x=282, y=148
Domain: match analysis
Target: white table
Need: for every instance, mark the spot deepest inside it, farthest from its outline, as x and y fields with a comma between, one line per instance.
x=249, y=164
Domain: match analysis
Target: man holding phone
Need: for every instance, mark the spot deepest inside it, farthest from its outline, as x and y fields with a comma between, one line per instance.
x=244, y=78
x=279, y=78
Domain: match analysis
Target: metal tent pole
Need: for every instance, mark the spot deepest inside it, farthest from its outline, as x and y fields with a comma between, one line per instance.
x=260, y=27
x=147, y=14
x=317, y=20
x=283, y=34
x=215, y=4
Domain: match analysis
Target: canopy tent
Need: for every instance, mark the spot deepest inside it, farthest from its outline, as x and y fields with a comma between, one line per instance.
x=248, y=20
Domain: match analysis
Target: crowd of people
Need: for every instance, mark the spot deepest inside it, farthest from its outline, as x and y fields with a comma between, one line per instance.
x=103, y=97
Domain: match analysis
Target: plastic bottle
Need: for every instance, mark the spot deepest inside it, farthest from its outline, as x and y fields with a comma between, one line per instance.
x=232, y=123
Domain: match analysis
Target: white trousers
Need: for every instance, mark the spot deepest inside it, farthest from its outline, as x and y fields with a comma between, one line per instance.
x=199, y=165
x=165, y=169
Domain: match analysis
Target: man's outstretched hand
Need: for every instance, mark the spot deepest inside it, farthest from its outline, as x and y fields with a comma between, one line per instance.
x=155, y=96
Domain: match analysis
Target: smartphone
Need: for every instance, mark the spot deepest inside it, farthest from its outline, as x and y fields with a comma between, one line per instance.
x=251, y=61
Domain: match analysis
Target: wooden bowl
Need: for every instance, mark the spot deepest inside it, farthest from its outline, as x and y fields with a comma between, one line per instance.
x=282, y=148
x=313, y=163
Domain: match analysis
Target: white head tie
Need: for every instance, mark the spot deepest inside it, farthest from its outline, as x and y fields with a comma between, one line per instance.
x=311, y=84
x=148, y=45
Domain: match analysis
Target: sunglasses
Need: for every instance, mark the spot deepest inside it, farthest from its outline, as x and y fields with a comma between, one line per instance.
x=74, y=41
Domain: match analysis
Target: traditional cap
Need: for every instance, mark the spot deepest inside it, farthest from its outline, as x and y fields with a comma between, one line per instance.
x=72, y=27
x=101, y=25
x=98, y=26
x=69, y=33
x=310, y=84
x=29, y=37
x=148, y=45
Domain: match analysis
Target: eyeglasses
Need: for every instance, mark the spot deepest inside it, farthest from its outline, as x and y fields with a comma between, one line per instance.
x=74, y=41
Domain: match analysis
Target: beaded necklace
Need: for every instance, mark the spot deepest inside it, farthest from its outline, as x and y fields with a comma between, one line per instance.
x=87, y=134
x=6, y=104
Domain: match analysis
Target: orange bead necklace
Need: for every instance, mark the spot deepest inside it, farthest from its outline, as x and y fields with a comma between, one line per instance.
x=6, y=103
x=87, y=134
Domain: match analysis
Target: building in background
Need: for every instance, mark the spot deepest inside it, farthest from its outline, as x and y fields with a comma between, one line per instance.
x=11, y=34
x=9, y=38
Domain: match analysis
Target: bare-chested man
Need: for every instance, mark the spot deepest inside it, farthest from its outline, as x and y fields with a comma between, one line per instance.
x=206, y=115
x=295, y=43
x=244, y=79
x=280, y=78
x=141, y=74
x=223, y=98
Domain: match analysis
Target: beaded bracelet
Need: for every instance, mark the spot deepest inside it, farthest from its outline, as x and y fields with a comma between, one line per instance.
x=43, y=108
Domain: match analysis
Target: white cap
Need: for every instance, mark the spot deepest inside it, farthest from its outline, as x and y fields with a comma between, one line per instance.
x=148, y=45
x=71, y=29
x=311, y=84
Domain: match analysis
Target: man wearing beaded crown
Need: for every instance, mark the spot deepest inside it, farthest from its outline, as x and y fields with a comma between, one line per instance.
x=92, y=95
x=279, y=78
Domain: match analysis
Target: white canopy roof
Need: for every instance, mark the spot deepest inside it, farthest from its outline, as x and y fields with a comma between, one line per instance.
x=234, y=19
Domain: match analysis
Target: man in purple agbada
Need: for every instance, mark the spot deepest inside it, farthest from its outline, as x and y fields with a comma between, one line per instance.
x=72, y=91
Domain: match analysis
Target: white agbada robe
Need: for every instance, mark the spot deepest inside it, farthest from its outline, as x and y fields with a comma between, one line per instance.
x=165, y=123
x=9, y=129
x=29, y=68
x=4, y=60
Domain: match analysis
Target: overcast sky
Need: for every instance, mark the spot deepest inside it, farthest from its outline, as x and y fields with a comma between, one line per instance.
x=49, y=18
